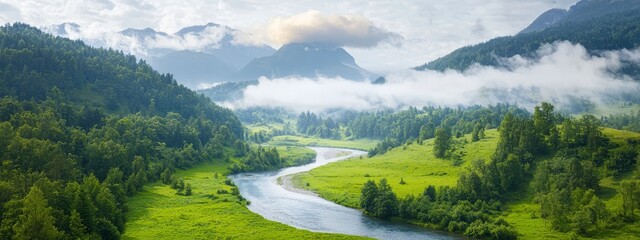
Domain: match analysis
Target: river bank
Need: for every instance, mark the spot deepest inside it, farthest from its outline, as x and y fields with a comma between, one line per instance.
x=271, y=196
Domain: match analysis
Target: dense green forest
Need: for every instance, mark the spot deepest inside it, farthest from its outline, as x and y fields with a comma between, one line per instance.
x=412, y=124
x=615, y=31
x=560, y=159
x=82, y=128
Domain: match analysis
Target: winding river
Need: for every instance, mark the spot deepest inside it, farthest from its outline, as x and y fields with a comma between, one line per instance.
x=303, y=210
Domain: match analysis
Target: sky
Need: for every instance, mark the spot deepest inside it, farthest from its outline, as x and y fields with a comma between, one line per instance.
x=397, y=34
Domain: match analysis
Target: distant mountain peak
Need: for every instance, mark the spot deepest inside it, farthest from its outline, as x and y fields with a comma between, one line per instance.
x=141, y=33
x=584, y=10
x=545, y=20
x=309, y=60
x=200, y=28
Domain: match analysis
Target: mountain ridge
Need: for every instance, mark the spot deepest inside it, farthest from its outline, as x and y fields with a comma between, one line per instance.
x=306, y=60
x=586, y=23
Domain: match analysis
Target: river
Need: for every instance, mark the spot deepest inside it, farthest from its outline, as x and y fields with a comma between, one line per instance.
x=307, y=211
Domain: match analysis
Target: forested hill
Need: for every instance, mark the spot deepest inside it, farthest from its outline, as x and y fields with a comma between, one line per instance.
x=81, y=128
x=613, y=31
x=33, y=64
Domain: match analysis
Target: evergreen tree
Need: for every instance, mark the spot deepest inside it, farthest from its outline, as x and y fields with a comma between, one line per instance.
x=36, y=221
x=76, y=228
x=442, y=143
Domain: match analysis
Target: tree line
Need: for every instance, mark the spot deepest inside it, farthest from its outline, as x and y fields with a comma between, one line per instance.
x=565, y=184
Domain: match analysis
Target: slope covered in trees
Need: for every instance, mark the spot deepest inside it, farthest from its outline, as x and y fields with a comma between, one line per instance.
x=563, y=166
x=81, y=128
x=618, y=30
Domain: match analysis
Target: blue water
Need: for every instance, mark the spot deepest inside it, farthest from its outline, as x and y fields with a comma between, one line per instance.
x=306, y=211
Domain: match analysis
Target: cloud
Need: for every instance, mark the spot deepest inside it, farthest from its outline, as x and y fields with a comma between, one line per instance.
x=561, y=72
x=337, y=30
x=431, y=28
x=9, y=13
x=209, y=38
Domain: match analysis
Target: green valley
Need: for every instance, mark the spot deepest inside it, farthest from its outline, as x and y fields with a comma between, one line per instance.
x=414, y=163
x=212, y=212
x=410, y=168
x=306, y=120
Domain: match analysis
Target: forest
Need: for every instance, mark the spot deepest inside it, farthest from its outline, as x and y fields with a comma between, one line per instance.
x=82, y=128
x=561, y=159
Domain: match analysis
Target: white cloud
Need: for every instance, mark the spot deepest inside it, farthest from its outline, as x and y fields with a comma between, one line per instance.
x=312, y=26
x=9, y=13
x=431, y=28
x=560, y=70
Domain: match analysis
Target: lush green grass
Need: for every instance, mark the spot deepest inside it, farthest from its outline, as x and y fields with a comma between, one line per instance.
x=257, y=127
x=341, y=182
x=288, y=140
x=531, y=226
x=295, y=156
x=158, y=213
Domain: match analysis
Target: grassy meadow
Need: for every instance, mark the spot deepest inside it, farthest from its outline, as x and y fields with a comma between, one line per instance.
x=159, y=213
x=341, y=182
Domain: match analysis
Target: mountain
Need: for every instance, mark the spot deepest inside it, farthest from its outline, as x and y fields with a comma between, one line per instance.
x=142, y=33
x=37, y=66
x=598, y=25
x=306, y=60
x=197, y=67
x=545, y=20
x=229, y=48
x=82, y=128
x=216, y=58
x=212, y=52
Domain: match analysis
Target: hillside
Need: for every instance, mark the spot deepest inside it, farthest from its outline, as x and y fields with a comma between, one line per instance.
x=96, y=145
x=341, y=182
x=597, y=25
x=519, y=188
x=36, y=64
x=83, y=128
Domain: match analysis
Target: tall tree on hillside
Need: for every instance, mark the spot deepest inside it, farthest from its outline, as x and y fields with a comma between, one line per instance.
x=442, y=143
x=543, y=118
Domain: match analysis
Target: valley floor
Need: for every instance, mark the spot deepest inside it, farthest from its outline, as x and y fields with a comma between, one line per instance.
x=341, y=182
x=159, y=213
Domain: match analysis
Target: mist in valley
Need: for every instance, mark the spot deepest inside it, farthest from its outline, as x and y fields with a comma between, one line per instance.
x=562, y=73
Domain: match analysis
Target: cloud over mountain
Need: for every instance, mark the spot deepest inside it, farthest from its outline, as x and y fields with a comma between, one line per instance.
x=562, y=73
x=337, y=30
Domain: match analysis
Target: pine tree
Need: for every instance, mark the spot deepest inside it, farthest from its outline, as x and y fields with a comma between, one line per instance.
x=442, y=142
x=36, y=221
x=75, y=225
